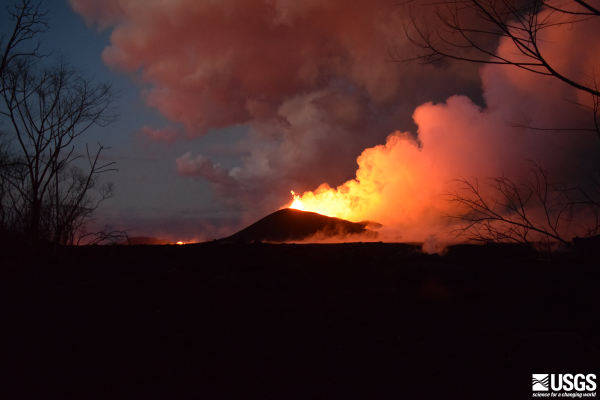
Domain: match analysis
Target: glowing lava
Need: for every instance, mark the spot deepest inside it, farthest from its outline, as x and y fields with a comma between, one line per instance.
x=392, y=186
x=323, y=203
x=297, y=203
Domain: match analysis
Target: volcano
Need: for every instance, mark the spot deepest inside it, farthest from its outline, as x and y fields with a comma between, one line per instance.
x=288, y=225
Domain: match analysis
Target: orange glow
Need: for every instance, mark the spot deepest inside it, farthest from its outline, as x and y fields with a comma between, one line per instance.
x=297, y=203
x=323, y=201
x=393, y=186
x=180, y=243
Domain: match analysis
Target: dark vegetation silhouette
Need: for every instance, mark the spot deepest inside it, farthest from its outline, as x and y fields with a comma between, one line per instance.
x=531, y=211
x=469, y=31
x=48, y=192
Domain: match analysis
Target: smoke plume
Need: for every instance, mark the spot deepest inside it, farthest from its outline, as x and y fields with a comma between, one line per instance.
x=313, y=81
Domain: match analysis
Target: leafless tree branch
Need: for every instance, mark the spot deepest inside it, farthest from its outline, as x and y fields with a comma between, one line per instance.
x=468, y=30
x=531, y=211
x=45, y=195
x=29, y=20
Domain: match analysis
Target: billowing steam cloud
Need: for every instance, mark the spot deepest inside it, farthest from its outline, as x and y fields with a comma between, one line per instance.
x=218, y=63
x=312, y=80
x=401, y=182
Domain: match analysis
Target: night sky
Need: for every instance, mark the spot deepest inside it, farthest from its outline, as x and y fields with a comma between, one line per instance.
x=228, y=105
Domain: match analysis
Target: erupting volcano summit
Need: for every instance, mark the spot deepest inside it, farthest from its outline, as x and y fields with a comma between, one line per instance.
x=290, y=225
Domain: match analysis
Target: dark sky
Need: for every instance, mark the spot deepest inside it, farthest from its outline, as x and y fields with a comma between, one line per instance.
x=228, y=105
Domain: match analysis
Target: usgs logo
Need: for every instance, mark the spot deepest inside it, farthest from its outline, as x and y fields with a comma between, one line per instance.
x=565, y=383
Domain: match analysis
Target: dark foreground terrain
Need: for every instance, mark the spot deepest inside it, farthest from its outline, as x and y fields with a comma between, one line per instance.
x=261, y=321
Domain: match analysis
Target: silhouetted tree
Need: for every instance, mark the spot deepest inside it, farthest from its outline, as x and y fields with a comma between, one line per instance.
x=28, y=21
x=531, y=211
x=469, y=30
x=47, y=105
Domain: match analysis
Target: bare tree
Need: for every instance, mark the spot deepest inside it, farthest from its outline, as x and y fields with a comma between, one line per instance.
x=13, y=210
x=469, y=30
x=70, y=203
x=106, y=236
x=28, y=20
x=44, y=194
x=49, y=107
x=529, y=210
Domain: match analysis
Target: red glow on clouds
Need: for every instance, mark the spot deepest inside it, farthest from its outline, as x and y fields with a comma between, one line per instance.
x=312, y=80
x=207, y=62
